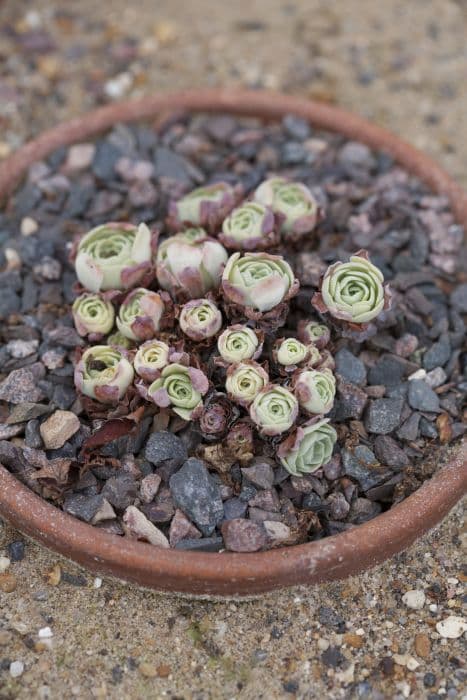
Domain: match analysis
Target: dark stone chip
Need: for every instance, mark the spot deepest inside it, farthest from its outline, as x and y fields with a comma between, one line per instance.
x=164, y=448
x=388, y=452
x=438, y=354
x=409, y=428
x=422, y=397
x=10, y=303
x=120, y=491
x=362, y=465
x=169, y=164
x=205, y=544
x=104, y=160
x=333, y=657
x=383, y=415
x=349, y=367
x=390, y=370
x=83, y=507
x=197, y=495
x=234, y=508
x=16, y=550
x=331, y=618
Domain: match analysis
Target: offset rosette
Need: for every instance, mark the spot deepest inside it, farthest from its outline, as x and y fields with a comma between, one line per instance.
x=308, y=448
x=190, y=264
x=249, y=227
x=180, y=388
x=274, y=410
x=205, y=206
x=245, y=381
x=239, y=343
x=289, y=352
x=293, y=204
x=114, y=256
x=119, y=341
x=313, y=332
x=141, y=313
x=258, y=284
x=217, y=416
x=150, y=358
x=93, y=315
x=200, y=319
x=103, y=373
x=315, y=390
x=353, y=291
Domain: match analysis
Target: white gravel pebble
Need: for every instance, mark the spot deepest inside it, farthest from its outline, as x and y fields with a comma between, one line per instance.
x=45, y=633
x=29, y=226
x=4, y=564
x=452, y=627
x=97, y=582
x=16, y=669
x=414, y=599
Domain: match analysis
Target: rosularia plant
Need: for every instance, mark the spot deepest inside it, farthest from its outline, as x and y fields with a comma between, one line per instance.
x=190, y=264
x=289, y=352
x=295, y=208
x=245, y=381
x=238, y=342
x=308, y=448
x=315, y=390
x=151, y=357
x=103, y=373
x=93, y=315
x=259, y=286
x=206, y=206
x=353, y=291
x=217, y=416
x=250, y=226
x=200, y=319
x=181, y=388
x=141, y=314
x=114, y=256
x=274, y=410
x=312, y=332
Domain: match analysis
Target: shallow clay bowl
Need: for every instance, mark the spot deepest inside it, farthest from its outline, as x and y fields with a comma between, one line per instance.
x=230, y=574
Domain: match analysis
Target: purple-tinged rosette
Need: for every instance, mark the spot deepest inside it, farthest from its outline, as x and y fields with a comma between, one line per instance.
x=250, y=226
x=206, y=206
x=103, y=373
x=180, y=388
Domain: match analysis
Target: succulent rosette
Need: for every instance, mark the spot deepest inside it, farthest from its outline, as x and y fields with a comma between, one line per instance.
x=314, y=357
x=326, y=360
x=151, y=357
x=238, y=342
x=217, y=416
x=119, y=341
x=258, y=284
x=250, y=226
x=103, y=373
x=244, y=381
x=308, y=448
x=114, y=256
x=205, y=206
x=315, y=390
x=274, y=410
x=190, y=263
x=289, y=352
x=353, y=291
x=181, y=388
x=293, y=204
x=93, y=315
x=314, y=332
x=141, y=314
x=200, y=319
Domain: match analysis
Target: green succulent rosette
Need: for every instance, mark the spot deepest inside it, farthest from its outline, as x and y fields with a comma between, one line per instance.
x=292, y=203
x=200, y=319
x=250, y=226
x=237, y=343
x=114, y=256
x=308, y=448
x=103, y=373
x=151, y=357
x=258, y=282
x=313, y=332
x=141, y=313
x=206, y=206
x=93, y=315
x=244, y=381
x=315, y=390
x=289, y=352
x=354, y=291
x=274, y=410
x=181, y=388
x=190, y=264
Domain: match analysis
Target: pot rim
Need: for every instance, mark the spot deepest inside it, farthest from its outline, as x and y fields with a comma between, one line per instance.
x=227, y=574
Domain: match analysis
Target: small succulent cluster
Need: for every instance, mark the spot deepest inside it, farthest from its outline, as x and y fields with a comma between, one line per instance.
x=198, y=318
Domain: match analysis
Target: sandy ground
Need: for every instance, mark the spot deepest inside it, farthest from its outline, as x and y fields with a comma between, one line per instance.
x=401, y=64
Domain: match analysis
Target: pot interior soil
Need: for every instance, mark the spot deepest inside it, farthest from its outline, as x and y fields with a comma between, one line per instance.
x=399, y=393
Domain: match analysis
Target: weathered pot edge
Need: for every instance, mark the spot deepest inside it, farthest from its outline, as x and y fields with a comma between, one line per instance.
x=237, y=574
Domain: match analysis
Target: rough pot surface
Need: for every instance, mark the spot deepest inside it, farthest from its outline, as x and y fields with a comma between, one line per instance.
x=332, y=558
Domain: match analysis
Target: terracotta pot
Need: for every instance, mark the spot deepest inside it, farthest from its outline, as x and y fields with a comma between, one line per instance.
x=237, y=574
